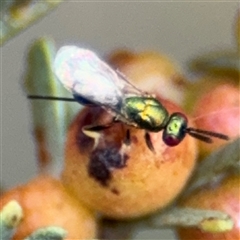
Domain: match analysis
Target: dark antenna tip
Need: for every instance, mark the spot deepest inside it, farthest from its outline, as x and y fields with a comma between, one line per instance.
x=201, y=137
x=203, y=134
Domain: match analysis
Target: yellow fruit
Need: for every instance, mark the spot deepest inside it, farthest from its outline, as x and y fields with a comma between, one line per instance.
x=124, y=182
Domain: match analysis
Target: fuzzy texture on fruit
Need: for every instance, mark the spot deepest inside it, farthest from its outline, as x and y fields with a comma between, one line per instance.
x=45, y=202
x=124, y=181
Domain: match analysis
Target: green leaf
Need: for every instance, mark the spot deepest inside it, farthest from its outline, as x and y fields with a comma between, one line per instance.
x=18, y=15
x=224, y=63
x=206, y=220
x=50, y=118
x=48, y=233
x=215, y=166
x=114, y=229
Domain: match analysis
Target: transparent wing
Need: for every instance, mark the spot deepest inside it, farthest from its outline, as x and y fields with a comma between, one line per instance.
x=85, y=75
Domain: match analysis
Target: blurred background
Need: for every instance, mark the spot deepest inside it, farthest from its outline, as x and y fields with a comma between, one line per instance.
x=182, y=30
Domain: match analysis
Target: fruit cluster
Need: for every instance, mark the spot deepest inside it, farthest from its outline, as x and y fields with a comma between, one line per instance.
x=123, y=181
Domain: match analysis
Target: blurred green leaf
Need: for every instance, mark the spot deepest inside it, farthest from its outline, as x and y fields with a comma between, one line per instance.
x=223, y=63
x=206, y=220
x=5, y=5
x=48, y=233
x=50, y=118
x=216, y=165
x=116, y=229
x=18, y=15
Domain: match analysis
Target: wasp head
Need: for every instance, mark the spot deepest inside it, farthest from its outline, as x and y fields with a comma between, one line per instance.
x=175, y=129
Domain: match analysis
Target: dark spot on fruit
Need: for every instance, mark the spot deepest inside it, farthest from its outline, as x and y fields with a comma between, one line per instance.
x=211, y=218
x=134, y=139
x=115, y=191
x=179, y=80
x=14, y=219
x=103, y=161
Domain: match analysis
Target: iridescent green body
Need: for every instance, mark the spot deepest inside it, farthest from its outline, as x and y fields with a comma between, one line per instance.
x=147, y=112
x=82, y=72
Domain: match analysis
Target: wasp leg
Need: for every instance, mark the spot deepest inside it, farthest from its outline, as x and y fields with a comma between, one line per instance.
x=127, y=140
x=93, y=131
x=149, y=142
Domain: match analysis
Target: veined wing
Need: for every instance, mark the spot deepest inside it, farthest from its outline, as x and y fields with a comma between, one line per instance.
x=87, y=76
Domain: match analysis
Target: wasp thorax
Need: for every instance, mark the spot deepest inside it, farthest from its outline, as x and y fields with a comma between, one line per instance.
x=146, y=112
x=175, y=129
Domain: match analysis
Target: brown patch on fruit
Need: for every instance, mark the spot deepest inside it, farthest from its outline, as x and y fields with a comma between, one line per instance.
x=102, y=161
x=121, y=57
x=115, y=191
x=180, y=81
x=134, y=139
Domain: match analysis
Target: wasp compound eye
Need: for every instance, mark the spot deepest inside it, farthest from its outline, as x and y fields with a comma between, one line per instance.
x=175, y=129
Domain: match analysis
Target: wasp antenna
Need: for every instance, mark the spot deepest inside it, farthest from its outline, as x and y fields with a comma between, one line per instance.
x=200, y=137
x=208, y=133
x=36, y=97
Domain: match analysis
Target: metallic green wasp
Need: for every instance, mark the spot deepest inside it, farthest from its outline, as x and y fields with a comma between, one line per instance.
x=93, y=82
